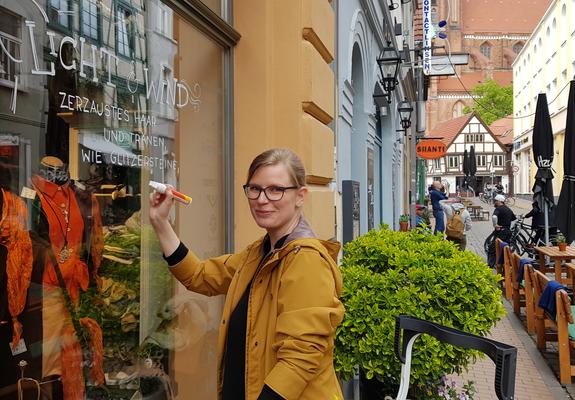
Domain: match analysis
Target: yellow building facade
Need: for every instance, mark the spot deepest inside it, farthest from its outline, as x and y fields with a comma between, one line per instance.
x=284, y=97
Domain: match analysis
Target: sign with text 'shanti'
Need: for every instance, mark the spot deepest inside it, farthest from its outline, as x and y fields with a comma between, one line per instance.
x=428, y=35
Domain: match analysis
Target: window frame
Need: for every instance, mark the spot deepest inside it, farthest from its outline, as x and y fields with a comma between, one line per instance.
x=55, y=23
x=485, y=49
x=14, y=66
x=84, y=34
x=453, y=162
x=479, y=158
x=131, y=39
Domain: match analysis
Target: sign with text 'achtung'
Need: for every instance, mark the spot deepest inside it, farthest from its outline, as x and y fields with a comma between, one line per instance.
x=430, y=149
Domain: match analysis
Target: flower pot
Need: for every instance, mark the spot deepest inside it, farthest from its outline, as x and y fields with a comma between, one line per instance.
x=403, y=226
x=562, y=246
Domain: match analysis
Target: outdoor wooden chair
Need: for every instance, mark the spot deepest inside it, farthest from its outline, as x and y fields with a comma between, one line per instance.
x=561, y=330
x=542, y=320
x=507, y=272
x=521, y=292
x=499, y=267
x=529, y=298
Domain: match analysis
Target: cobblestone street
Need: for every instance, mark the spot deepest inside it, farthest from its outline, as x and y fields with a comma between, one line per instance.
x=535, y=379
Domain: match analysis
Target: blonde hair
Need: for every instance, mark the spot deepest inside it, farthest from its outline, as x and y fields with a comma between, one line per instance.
x=286, y=157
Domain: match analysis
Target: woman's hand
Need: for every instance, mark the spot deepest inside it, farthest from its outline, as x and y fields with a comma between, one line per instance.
x=160, y=207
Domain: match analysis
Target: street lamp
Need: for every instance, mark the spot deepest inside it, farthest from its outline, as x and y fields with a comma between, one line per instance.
x=389, y=60
x=405, y=109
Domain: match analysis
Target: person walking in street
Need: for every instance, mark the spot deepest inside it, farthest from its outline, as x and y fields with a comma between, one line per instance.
x=502, y=218
x=282, y=292
x=436, y=195
x=458, y=222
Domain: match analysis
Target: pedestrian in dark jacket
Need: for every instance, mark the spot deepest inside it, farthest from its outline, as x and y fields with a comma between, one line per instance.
x=436, y=196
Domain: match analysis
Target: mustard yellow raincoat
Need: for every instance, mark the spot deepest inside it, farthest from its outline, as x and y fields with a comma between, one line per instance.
x=293, y=312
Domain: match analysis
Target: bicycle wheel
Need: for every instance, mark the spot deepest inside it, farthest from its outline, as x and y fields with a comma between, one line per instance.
x=487, y=242
x=510, y=201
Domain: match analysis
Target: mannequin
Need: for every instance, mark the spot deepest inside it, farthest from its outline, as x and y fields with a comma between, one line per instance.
x=66, y=275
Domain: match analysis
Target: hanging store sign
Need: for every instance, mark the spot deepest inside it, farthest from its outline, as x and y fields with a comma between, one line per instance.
x=430, y=149
x=428, y=34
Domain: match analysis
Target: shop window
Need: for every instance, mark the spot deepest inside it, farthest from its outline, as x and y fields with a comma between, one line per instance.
x=59, y=12
x=485, y=49
x=124, y=32
x=90, y=19
x=11, y=36
x=76, y=158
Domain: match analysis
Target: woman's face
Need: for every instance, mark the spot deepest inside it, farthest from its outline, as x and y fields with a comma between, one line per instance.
x=279, y=214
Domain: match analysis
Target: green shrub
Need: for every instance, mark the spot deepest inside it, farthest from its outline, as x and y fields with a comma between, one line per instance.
x=389, y=273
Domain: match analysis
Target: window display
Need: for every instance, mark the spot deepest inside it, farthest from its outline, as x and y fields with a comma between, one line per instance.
x=97, y=99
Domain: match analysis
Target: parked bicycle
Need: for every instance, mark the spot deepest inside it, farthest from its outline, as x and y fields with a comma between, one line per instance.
x=523, y=239
x=489, y=194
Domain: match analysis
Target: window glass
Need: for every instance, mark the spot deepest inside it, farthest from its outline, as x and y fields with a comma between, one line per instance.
x=90, y=19
x=85, y=124
x=485, y=49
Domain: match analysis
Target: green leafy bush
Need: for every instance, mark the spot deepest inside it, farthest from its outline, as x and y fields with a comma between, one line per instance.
x=388, y=273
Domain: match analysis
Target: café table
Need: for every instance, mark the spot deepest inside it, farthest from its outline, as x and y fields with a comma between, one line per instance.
x=475, y=211
x=557, y=256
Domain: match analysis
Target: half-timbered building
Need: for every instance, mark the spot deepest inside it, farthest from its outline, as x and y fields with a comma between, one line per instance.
x=492, y=152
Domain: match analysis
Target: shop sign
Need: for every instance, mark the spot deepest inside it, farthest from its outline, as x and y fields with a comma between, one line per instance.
x=430, y=149
x=428, y=34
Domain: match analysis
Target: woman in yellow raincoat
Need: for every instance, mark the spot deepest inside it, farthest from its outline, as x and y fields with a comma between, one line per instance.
x=282, y=306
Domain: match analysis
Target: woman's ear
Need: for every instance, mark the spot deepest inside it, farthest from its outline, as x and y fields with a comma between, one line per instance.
x=301, y=195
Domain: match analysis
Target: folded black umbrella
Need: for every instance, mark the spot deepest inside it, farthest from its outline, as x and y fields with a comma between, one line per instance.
x=543, y=155
x=566, y=203
x=472, y=168
x=465, y=169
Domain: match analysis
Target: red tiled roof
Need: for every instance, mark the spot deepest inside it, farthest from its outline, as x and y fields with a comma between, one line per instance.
x=506, y=16
x=503, y=129
x=448, y=130
x=472, y=79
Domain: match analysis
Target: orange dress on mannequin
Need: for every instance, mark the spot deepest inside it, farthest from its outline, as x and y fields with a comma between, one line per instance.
x=61, y=346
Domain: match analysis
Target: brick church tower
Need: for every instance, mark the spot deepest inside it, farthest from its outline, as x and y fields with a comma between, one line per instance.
x=493, y=32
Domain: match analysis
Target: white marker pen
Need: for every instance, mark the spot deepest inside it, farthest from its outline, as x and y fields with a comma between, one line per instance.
x=161, y=188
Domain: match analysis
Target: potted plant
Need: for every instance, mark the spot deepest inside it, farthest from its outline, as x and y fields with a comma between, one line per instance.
x=561, y=242
x=388, y=273
x=404, y=222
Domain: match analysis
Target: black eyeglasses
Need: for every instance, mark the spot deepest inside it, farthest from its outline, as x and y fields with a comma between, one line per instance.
x=273, y=193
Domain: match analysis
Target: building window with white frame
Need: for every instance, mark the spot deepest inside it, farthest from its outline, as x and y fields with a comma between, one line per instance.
x=124, y=33
x=437, y=163
x=90, y=19
x=59, y=12
x=481, y=160
x=164, y=23
x=453, y=161
x=11, y=36
x=498, y=160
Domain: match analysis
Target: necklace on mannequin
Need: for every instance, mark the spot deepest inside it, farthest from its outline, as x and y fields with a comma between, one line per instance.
x=65, y=252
